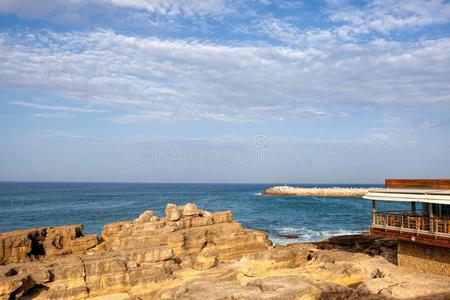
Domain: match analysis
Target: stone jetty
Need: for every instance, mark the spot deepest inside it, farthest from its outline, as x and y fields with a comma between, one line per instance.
x=194, y=254
x=284, y=190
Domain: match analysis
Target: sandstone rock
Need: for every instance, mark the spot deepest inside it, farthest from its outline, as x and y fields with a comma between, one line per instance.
x=222, y=217
x=22, y=279
x=262, y=262
x=206, y=214
x=151, y=274
x=67, y=279
x=201, y=221
x=172, y=212
x=187, y=234
x=405, y=286
x=114, y=228
x=83, y=243
x=282, y=287
x=232, y=242
x=291, y=287
x=16, y=246
x=147, y=216
x=43, y=243
x=369, y=244
x=153, y=225
x=206, y=259
x=209, y=289
x=190, y=209
x=106, y=273
x=340, y=264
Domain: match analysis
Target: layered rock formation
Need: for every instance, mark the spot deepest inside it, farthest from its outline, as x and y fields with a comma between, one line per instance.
x=194, y=254
x=33, y=244
x=61, y=263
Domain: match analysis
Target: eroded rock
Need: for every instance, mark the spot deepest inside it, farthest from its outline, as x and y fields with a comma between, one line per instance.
x=190, y=210
x=43, y=243
x=206, y=259
x=147, y=216
x=262, y=262
x=172, y=212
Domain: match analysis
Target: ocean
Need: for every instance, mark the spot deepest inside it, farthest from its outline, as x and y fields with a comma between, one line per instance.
x=33, y=204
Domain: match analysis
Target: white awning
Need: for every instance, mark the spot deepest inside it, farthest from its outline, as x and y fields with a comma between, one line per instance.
x=410, y=195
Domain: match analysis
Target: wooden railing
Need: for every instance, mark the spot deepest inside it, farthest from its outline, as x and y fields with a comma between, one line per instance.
x=411, y=221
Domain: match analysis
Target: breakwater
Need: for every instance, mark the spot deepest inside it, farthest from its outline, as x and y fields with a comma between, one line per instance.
x=285, y=190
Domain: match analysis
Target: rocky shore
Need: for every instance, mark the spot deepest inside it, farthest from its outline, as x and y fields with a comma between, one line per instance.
x=194, y=254
x=284, y=190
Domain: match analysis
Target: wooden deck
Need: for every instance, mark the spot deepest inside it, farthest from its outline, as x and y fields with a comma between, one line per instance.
x=412, y=227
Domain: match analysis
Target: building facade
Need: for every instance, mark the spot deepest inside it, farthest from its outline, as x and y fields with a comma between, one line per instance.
x=422, y=231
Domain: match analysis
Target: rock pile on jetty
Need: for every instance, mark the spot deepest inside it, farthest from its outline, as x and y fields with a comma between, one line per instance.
x=194, y=254
x=284, y=190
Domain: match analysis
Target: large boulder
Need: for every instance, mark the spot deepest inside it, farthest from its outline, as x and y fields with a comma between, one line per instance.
x=146, y=216
x=190, y=209
x=172, y=212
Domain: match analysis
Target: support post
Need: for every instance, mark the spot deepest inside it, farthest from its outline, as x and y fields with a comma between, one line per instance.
x=413, y=207
x=374, y=210
x=430, y=215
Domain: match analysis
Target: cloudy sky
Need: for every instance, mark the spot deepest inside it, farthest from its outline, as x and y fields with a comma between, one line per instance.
x=224, y=91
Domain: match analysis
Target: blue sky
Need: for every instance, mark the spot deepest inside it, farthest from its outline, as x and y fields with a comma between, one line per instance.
x=224, y=91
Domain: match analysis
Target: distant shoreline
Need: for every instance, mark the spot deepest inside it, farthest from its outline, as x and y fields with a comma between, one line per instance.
x=323, y=192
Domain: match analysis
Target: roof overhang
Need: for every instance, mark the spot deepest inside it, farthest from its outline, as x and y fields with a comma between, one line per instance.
x=410, y=195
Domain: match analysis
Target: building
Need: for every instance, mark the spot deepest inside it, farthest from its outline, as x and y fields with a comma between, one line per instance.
x=422, y=231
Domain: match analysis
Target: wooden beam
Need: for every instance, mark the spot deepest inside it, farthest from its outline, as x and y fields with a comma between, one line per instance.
x=418, y=183
x=412, y=237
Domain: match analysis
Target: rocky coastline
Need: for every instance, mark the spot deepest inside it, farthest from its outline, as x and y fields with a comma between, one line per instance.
x=194, y=254
x=285, y=190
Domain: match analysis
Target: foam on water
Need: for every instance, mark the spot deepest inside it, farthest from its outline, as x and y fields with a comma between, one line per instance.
x=308, y=235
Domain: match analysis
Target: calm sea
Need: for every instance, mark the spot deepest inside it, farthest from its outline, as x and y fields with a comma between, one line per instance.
x=25, y=205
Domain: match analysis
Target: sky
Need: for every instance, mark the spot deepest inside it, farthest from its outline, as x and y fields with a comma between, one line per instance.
x=255, y=91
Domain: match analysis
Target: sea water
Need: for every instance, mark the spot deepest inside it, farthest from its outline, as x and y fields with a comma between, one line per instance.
x=26, y=205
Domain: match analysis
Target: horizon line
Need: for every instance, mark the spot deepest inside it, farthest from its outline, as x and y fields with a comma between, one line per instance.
x=181, y=182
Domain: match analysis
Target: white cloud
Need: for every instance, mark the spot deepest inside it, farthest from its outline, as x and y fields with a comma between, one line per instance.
x=384, y=16
x=283, y=31
x=154, y=79
x=176, y=7
x=35, y=105
x=353, y=23
x=53, y=115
